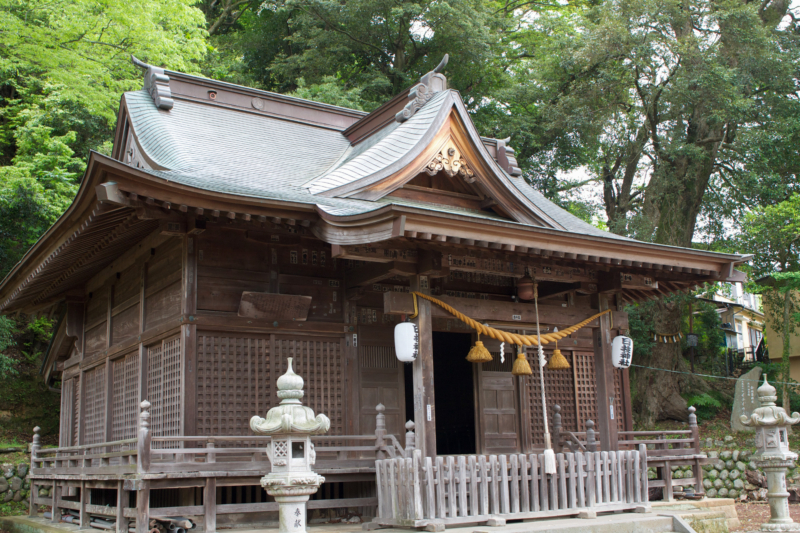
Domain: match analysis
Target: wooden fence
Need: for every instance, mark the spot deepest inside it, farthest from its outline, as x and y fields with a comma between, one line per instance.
x=417, y=491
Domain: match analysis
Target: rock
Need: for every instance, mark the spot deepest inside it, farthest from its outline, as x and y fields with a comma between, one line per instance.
x=744, y=455
x=743, y=497
x=726, y=455
x=794, y=493
x=761, y=494
x=8, y=470
x=713, y=454
x=722, y=493
x=674, y=468
x=17, y=496
x=735, y=455
x=728, y=483
x=740, y=466
x=26, y=485
x=707, y=484
x=678, y=474
x=728, y=438
x=712, y=474
x=752, y=465
x=724, y=474
x=3, y=484
x=756, y=477
x=651, y=475
x=16, y=483
x=718, y=483
x=735, y=474
x=711, y=493
x=750, y=486
x=738, y=484
x=7, y=495
x=729, y=464
x=707, y=467
x=354, y=520
x=22, y=470
x=43, y=493
x=733, y=493
x=709, y=443
x=719, y=443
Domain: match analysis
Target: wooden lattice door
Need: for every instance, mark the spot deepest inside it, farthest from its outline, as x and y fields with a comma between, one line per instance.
x=381, y=378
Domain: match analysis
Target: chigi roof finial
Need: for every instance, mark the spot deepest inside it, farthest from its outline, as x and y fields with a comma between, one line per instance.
x=431, y=83
x=156, y=83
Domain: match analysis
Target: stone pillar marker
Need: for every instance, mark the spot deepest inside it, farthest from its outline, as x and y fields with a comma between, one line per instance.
x=291, y=452
x=773, y=454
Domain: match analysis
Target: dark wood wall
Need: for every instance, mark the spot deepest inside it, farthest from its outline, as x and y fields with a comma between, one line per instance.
x=162, y=324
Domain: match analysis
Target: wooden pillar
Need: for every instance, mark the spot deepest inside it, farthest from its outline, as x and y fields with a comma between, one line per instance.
x=424, y=398
x=604, y=376
x=210, y=504
x=143, y=508
x=122, y=502
x=189, y=340
x=84, y=515
x=55, y=516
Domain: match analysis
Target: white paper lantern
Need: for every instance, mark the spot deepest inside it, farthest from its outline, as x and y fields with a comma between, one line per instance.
x=621, y=351
x=406, y=341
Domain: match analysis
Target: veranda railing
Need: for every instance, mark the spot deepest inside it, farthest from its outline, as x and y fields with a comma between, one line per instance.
x=417, y=491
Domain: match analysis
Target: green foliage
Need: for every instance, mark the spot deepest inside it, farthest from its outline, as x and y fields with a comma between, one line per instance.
x=7, y=328
x=707, y=404
x=330, y=91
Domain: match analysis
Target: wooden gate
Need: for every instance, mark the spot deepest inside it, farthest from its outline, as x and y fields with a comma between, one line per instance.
x=381, y=380
x=416, y=492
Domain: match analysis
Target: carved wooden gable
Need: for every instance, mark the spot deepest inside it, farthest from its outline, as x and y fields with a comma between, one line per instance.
x=434, y=136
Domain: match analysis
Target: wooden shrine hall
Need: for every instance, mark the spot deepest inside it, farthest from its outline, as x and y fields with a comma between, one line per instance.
x=232, y=228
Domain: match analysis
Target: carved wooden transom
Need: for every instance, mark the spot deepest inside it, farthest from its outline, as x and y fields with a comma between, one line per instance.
x=449, y=160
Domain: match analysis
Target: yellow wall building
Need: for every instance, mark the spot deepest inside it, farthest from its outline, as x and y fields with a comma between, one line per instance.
x=775, y=345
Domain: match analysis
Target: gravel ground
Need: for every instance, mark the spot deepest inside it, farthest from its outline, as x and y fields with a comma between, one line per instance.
x=752, y=515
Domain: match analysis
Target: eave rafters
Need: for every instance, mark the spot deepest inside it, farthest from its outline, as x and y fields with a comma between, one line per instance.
x=106, y=231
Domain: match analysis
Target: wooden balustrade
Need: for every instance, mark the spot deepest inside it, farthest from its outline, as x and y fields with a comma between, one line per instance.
x=148, y=454
x=418, y=491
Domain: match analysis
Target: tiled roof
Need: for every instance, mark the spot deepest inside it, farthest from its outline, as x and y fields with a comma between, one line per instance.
x=219, y=149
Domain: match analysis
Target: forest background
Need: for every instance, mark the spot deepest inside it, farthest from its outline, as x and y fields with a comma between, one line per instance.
x=670, y=121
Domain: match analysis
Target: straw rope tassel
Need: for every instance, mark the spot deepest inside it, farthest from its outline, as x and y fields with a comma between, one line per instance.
x=479, y=353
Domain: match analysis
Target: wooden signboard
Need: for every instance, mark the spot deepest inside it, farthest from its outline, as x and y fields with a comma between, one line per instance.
x=271, y=306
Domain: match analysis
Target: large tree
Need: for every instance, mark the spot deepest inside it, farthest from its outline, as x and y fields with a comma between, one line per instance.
x=651, y=95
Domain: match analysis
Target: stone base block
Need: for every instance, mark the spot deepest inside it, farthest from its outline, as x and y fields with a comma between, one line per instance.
x=587, y=514
x=496, y=521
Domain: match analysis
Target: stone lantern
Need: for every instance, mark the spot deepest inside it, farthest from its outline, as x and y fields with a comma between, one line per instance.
x=773, y=454
x=291, y=452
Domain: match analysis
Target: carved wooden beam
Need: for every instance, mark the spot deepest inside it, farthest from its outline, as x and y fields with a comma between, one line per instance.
x=399, y=303
x=373, y=273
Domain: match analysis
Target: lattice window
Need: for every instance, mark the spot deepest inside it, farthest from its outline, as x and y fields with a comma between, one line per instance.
x=587, y=392
x=559, y=389
x=126, y=396
x=619, y=414
x=319, y=362
x=382, y=357
x=586, y=386
x=76, y=385
x=95, y=404
x=234, y=383
x=495, y=365
x=163, y=387
x=67, y=413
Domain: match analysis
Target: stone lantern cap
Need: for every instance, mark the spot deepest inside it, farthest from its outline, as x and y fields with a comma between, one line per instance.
x=769, y=414
x=290, y=417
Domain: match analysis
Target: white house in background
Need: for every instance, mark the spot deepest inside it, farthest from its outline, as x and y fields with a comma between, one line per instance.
x=742, y=318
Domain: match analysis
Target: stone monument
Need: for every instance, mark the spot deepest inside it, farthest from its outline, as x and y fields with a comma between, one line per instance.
x=745, y=400
x=291, y=452
x=773, y=455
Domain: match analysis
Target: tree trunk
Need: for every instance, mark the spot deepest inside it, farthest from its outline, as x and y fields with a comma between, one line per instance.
x=658, y=393
x=787, y=337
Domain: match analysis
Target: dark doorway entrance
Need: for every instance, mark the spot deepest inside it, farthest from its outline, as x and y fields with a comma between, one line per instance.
x=455, y=396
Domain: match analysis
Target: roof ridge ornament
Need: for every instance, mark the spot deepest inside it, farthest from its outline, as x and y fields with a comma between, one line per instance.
x=431, y=83
x=156, y=83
